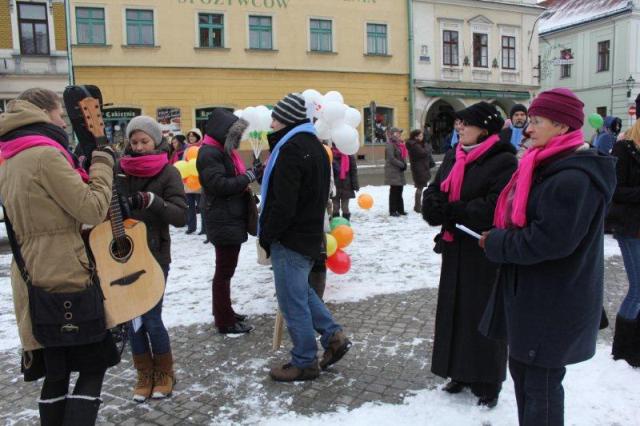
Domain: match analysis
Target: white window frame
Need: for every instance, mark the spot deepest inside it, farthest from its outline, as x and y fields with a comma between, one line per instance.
x=15, y=31
x=451, y=25
x=333, y=34
x=155, y=25
x=366, y=52
x=274, y=30
x=107, y=30
x=477, y=28
x=196, y=18
x=511, y=31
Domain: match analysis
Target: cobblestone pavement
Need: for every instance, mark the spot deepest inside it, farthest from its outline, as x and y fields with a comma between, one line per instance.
x=223, y=380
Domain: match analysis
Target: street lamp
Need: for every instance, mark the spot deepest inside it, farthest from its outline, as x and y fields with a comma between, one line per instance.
x=630, y=83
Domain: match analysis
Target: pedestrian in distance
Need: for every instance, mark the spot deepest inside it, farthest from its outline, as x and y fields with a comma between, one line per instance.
x=395, y=165
x=464, y=192
x=421, y=160
x=548, y=239
x=194, y=199
x=48, y=197
x=345, y=176
x=606, y=138
x=518, y=122
x=177, y=147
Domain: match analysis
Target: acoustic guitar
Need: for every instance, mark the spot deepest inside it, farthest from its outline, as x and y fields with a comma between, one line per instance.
x=131, y=279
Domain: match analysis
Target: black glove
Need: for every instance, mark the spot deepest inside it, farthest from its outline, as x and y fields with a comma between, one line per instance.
x=455, y=211
x=404, y=167
x=140, y=200
x=255, y=173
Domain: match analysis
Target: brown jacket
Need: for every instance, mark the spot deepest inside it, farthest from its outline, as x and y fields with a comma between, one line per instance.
x=47, y=203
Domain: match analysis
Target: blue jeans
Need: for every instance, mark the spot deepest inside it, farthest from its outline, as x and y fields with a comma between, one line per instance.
x=630, y=248
x=194, y=202
x=153, y=335
x=301, y=307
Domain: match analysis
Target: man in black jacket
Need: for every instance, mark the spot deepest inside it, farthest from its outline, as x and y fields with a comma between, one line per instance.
x=295, y=189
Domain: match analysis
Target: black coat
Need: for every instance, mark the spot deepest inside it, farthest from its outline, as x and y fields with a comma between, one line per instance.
x=548, y=299
x=225, y=195
x=297, y=196
x=624, y=212
x=467, y=277
x=169, y=207
x=347, y=187
x=421, y=159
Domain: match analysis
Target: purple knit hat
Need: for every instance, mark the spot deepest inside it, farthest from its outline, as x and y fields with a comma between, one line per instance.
x=560, y=105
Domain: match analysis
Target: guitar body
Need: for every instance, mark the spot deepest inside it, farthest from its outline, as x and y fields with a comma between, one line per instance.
x=131, y=279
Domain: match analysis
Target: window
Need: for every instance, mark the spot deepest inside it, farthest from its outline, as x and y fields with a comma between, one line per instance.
x=211, y=29
x=480, y=50
x=33, y=28
x=565, y=68
x=450, y=48
x=320, y=35
x=260, y=32
x=377, y=43
x=383, y=120
x=140, y=27
x=508, y=52
x=603, y=56
x=90, y=25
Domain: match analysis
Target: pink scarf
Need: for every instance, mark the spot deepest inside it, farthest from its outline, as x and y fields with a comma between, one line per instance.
x=145, y=165
x=345, y=165
x=16, y=146
x=511, y=209
x=453, y=183
x=235, y=156
x=402, y=147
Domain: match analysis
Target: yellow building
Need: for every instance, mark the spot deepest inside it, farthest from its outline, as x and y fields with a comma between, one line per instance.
x=178, y=58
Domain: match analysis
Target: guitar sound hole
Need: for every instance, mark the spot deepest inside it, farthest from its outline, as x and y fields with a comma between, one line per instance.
x=121, y=249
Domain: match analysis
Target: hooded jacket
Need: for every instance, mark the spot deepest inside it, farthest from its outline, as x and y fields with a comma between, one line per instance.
x=47, y=202
x=605, y=139
x=548, y=297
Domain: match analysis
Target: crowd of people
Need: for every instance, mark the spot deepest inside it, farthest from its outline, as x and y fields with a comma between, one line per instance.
x=527, y=294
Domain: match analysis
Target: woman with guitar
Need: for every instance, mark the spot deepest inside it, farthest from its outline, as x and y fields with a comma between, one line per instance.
x=47, y=198
x=156, y=197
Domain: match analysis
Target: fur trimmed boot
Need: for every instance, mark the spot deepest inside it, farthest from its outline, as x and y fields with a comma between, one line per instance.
x=144, y=384
x=163, y=376
x=81, y=410
x=52, y=410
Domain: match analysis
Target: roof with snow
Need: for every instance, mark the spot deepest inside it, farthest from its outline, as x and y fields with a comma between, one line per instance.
x=568, y=13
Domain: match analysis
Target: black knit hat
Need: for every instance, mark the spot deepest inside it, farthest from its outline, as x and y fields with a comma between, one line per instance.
x=291, y=109
x=517, y=108
x=483, y=115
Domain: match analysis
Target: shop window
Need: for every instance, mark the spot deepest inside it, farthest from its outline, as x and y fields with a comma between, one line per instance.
x=377, y=43
x=90, y=25
x=383, y=120
x=508, y=53
x=140, y=27
x=211, y=26
x=33, y=28
x=480, y=50
x=260, y=32
x=116, y=120
x=320, y=35
x=169, y=119
x=450, y=48
x=202, y=115
x=603, y=56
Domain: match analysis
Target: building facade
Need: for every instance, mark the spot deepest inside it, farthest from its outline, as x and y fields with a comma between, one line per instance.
x=33, y=47
x=466, y=51
x=591, y=48
x=177, y=59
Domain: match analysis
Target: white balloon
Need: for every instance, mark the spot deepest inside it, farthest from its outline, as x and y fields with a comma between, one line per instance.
x=251, y=115
x=323, y=130
x=352, y=117
x=238, y=113
x=343, y=137
x=312, y=99
x=332, y=112
x=265, y=120
x=353, y=147
x=334, y=96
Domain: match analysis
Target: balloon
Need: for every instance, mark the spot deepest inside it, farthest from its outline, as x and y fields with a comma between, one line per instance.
x=312, y=99
x=191, y=169
x=343, y=137
x=352, y=147
x=332, y=112
x=182, y=168
x=323, y=130
x=238, y=113
x=337, y=221
x=193, y=183
x=264, y=120
x=343, y=235
x=251, y=115
x=191, y=153
x=332, y=245
x=352, y=117
x=595, y=120
x=339, y=263
x=365, y=201
x=333, y=96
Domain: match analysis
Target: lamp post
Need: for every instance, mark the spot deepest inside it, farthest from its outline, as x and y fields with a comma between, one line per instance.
x=630, y=83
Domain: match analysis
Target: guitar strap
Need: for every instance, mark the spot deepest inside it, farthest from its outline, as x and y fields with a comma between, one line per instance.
x=15, y=249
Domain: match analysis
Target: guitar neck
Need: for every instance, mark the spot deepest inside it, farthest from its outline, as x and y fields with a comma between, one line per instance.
x=115, y=214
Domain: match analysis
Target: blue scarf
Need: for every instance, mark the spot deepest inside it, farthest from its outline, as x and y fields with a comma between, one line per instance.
x=303, y=128
x=516, y=136
x=454, y=138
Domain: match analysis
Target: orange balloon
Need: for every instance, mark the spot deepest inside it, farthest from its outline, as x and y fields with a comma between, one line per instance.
x=365, y=201
x=343, y=235
x=191, y=153
x=329, y=153
x=193, y=183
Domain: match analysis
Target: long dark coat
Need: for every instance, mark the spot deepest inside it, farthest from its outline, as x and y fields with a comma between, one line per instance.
x=548, y=301
x=624, y=212
x=467, y=277
x=347, y=187
x=420, y=156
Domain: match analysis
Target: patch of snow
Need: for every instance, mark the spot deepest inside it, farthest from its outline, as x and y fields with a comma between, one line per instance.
x=573, y=12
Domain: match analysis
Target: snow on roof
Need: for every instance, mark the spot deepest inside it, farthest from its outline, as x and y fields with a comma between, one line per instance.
x=567, y=13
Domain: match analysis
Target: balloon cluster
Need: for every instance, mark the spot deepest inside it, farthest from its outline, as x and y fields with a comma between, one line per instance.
x=335, y=121
x=259, y=119
x=340, y=237
x=595, y=120
x=188, y=170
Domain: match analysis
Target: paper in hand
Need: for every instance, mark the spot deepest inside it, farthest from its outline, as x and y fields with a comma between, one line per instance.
x=468, y=231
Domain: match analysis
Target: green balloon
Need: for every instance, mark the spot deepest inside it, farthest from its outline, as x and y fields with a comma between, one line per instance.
x=337, y=221
x=595, y=120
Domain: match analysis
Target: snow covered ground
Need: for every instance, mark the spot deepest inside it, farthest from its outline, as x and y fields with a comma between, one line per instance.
x=389, y=255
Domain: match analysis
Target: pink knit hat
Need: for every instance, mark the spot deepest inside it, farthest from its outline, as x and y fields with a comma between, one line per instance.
x=560, y=105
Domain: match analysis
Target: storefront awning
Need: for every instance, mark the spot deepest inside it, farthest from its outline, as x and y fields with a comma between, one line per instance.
x=474, y=94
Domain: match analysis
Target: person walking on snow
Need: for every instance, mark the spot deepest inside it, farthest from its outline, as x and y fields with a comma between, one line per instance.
x=345, y=176
x=194, y=199
x=395, y=165
x=421, y=160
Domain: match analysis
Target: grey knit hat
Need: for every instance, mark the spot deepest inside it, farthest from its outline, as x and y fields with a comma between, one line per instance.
x=146, y=124
x=291, y=109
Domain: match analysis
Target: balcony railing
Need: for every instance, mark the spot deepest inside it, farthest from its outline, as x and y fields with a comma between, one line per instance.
x=29, y=65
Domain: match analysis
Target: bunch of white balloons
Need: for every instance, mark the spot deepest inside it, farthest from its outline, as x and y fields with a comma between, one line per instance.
x=335, y=120
x=259, y=119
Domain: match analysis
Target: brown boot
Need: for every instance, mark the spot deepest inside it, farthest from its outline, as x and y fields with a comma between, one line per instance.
x=163, y=377
x=144, y=365
x=339, y=345
x=289, y=373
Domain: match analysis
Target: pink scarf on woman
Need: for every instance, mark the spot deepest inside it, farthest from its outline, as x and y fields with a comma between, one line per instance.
x=235, y=156
x=345, y=165
x=402, y=147
x=17, y=145
x=144, y=165
x=511, y=209
x=453, y=183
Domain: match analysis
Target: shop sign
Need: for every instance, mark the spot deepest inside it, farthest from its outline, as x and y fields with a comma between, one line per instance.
x=474, y=94
x=120, y=114
x=169, y=119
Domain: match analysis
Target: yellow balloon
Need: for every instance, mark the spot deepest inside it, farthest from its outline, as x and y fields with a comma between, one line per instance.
x=332, y=245
x=182, y=168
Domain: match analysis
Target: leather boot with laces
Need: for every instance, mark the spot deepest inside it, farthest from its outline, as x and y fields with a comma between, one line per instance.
x=144, y=366
x=290, y=373
x=163, y=376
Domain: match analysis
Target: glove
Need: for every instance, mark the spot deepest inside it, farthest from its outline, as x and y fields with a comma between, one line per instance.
x=455, y=211
x=404, y=167
x=140, y=200
x=255, y=173
x=251, y=175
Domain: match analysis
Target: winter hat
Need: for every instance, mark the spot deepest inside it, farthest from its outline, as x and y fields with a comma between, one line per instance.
x=638, y=106
x=517, y=108
x=291, y=109
x=223, y=126
x=560, y=105
x=483, y=115
x=145, y=124
x=197, y=132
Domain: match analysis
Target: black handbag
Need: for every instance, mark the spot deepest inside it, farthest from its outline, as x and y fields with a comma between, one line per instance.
x=252, y=212
x=62, y=319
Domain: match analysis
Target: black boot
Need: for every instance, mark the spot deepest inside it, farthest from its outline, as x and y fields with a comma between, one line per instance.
x=487, y=393
x=346, y=216
x=318, y=281
x=623, y=339
x=52, y=411
x=81, y=410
